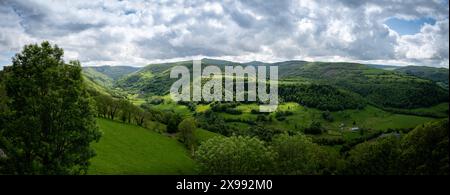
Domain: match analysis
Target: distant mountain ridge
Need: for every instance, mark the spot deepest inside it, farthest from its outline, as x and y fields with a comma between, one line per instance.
x=113, y=72
x=386, y=88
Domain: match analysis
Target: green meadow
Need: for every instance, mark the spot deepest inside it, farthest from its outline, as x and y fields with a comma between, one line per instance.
x=130, y=149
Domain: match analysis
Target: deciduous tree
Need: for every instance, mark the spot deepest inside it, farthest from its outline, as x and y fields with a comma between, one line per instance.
x=51, y=125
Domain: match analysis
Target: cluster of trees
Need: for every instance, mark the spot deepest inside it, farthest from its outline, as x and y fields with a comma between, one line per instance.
x=442, y=114
x=424, y=150
x=281, y=115
x=229, y=108
x=190, y=105
x=49, y=123
x=172, y=120
x=122, y=109
x=155, y=100
x=314, y=128
x=262, y=132
x=329, y=141
x=263, y=118
x=327, y=116
x=323, y=97
x=211, y=121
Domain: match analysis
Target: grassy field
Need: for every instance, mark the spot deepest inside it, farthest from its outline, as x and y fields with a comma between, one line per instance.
x=179, y=109
x=374, y=118
x=203, y=135
x=133, y=98
x=441, y=108
x=130, y=149
x=370, y=117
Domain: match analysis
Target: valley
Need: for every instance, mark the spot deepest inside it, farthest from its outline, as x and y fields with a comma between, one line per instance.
x=336, y=105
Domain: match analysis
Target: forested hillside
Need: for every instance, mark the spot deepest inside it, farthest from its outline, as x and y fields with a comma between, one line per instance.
x=383, y=88
x=438, y=75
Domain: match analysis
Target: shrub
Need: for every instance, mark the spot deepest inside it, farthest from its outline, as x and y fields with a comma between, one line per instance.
x=315, y=128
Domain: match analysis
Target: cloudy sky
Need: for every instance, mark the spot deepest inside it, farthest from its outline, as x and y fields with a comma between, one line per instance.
x=396, y=32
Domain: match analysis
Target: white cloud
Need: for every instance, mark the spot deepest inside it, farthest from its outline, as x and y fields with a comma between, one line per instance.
x=431, y=43
x=140, y=32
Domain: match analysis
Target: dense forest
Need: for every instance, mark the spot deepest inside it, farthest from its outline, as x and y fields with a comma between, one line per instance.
x=323, y=97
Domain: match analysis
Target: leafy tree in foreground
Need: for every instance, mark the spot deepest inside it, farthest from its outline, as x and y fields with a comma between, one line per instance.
x=378, y=157
x=235, y=156
x=51, y=124
x=297, y=155
x=425, y=150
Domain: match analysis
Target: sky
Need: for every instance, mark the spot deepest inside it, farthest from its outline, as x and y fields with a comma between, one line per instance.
x=107, y=32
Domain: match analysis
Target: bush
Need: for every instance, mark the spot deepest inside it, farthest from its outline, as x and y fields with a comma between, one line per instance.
x=155, y=100
x=233, y=111
x=283, y=114
x=263, y=118
x=172, y=121
x=264, y=133
x=315, y=128
x=329, y=141
x=327, y=116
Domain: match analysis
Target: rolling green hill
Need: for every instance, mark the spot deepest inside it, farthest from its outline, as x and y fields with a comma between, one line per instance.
x=383, y=88
x=112, y=72
x=438, y=75
x=153, y=78
x=130, y=149
x=92, y=74
x=106, y=76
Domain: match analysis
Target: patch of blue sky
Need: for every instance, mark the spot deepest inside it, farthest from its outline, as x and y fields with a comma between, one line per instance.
x=408, y=27
x=5, y=59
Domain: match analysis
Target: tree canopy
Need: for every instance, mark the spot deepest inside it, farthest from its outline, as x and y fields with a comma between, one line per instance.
x=51, y=123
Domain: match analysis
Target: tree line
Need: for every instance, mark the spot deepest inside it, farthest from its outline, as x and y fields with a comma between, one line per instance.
x=120, y=109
